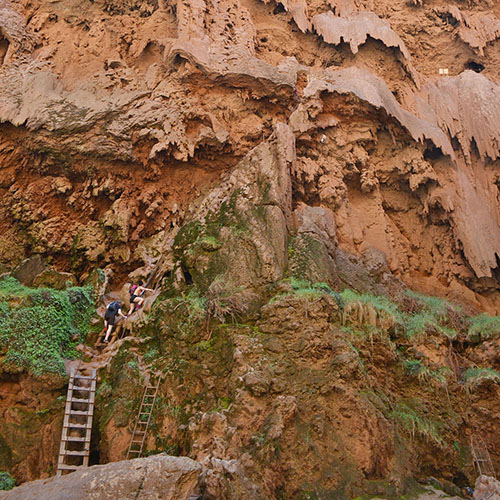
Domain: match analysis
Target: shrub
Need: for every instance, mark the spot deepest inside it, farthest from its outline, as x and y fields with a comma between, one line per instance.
x=37, y=325
x=7, y=482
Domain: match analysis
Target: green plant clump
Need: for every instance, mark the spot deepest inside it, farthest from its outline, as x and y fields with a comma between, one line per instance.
x=7, y=482
x=308, y=290
x=39, y=327
x=415, y=368
x=376, y=310
x=414, y=424
x=484, y=327
x=474, y=377
x=434, y=316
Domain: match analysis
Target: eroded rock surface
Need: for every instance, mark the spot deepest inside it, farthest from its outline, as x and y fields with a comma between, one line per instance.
x=165, y=477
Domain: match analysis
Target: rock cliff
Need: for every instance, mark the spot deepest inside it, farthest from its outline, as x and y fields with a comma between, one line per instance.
x=301, y=180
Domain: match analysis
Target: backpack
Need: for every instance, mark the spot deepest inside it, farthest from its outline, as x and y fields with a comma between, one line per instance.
x=133, y=288
x=113, y=307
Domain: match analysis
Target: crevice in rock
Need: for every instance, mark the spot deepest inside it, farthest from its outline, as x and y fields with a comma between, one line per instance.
x=187, y=275
x=474, y=66
x=4, y=47
x=432, y=153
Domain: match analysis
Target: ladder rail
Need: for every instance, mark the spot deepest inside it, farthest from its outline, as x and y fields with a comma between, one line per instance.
x=481, y=457
x=145, y=408
x=69, y=413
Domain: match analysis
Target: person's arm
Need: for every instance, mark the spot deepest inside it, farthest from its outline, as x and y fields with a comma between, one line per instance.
x=121, y=314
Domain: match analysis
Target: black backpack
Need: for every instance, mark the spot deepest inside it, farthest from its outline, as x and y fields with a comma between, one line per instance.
x=113, y=307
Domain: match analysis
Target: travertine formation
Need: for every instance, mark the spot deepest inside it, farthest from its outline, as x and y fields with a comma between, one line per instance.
x=224, y=142
x=108, y=139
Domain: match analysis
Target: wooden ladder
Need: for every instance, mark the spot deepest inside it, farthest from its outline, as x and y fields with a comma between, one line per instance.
x=481, y=457
x=77, y=424
x=143, y=419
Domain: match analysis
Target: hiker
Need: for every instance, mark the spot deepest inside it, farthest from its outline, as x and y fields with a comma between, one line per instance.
x=136, y=296
x=113, y=310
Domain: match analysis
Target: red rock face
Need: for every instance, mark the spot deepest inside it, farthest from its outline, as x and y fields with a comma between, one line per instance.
x=120, y=119
x=116, y=116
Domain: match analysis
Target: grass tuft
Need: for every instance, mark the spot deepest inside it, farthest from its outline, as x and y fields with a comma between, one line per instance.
x=412, y=423
x=424, y=374
x=474, y=377
x=483, y=327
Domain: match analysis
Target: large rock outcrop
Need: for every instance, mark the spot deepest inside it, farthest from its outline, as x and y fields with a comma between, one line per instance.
x=161, y=476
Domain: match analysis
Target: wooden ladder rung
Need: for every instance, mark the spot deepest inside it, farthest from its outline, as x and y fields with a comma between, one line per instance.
x=73, y=388
x=68, y=467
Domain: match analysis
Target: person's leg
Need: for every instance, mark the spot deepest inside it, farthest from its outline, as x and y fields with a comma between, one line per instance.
x=108, y=332
x=134, y=305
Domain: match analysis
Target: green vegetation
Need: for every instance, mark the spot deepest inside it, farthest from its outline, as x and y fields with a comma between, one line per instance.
x=411, y=422
x=483, y=327
x=417, y=369
x=370, y=310
x=474, y=377
x=7, y=482
x=305, y=289
x=39, y=327
x=433, y=315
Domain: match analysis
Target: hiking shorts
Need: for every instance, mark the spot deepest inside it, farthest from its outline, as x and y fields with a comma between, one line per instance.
x=110, y=317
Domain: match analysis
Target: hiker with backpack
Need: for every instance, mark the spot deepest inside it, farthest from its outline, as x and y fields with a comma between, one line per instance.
x=113, y=310
x=136, y=296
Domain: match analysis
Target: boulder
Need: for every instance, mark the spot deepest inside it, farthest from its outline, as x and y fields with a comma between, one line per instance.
x=51, y=278
x=159, y=476
x=98, y=279
x=29, y=269
x=486, y=488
